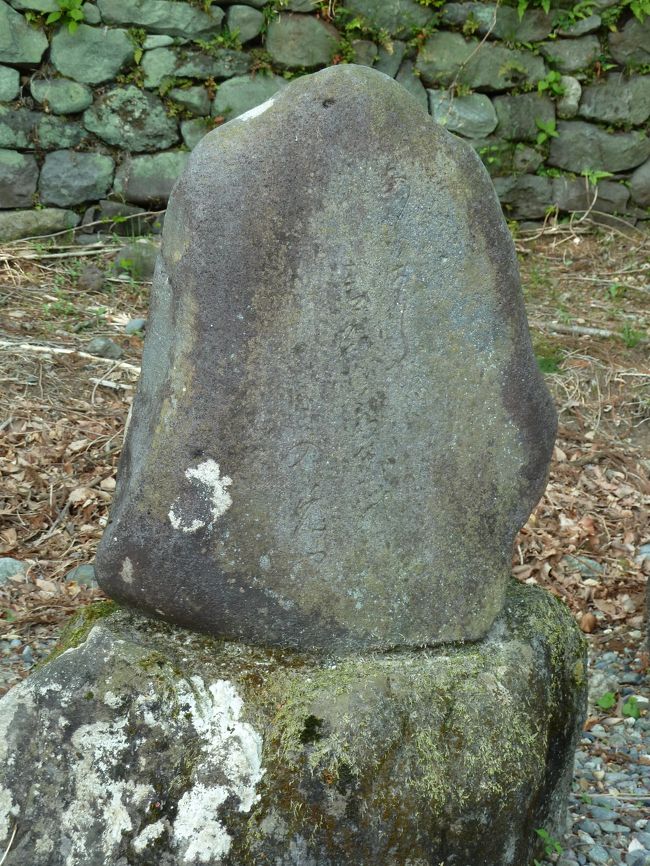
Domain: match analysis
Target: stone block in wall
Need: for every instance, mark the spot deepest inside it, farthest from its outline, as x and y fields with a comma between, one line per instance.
x=302, y=5
x=365, y=52
x=91, y=55
x=572, y=55
x=617, y=99
x=518, y=115
x=590, y=24
x=70, y=178
x=527, y=196
x=18, y=179
x=196, y=100
x=244, y=92
x=389, y=57
x=301, y=41
x=91, y=14
x=472, y=116
x=163, y=16
x=577, y=194
x=43, y=6
x=192, y=131
x=411, y=82
x=256, y=4
x=18, y=224
x=148, y=179
x=501, y=22
x=640, y=185
x=449, y=57
x=582, y=147
x=502, y=158
x=17, y=127
x=398, y=17
x=567, y=105
x=55, y=133
x=20, y=43
x=162, y=63
x=245, y=21
x=132, y=119
x=61, y=95
x=631, y=44
x=9, y=83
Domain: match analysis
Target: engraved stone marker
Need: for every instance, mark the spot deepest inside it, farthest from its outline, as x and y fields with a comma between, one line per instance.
x=340, y=425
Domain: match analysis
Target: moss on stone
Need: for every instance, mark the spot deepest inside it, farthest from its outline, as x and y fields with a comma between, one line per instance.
x=78, y=627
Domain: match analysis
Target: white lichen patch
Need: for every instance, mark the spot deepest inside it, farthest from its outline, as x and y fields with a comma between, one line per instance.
x=19, y=698
x=232, y=748
x=213, y=498
x=150, y=834
x=100, y=800
x=255, y=112
x=126, y=572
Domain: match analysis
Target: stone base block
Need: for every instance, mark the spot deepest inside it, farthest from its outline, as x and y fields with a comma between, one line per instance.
x=144, y=744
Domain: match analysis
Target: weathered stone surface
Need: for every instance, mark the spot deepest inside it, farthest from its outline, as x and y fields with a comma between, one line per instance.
x=19, y=43
x=149, y=179
x=579, y=195
x=244, y=92
x=525, y=197
x=69, y=178
x=162, y=63
x=84, y=575
x=582, y=146
x=60, y=95
x=55, y=133
x=163, y=16
x=630, y=46
x=144, y=744
x=640, y=185
x=567, y=104
x=472, y=116
x=358, y=291
x=245, y=21
x=194, y=99
x=297, y=41
x=302, y=5
x=157, y=41
x=448, y=57
x=35, y=223
x=518, y=115
x=572, y=55
x=114, y=213
x=389, y=57
x=10, y=567
x=18, y=178
x=411, y=83
x=91, y=55
x=618, y=99
x=91, y=14
x=9, y=83
x=104, y=347
x=132, y=119
x=192, y=131
x=17, y=127
x=398, y=17
x=502, y=22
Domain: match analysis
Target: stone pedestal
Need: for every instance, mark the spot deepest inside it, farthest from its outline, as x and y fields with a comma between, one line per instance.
x=145, y=744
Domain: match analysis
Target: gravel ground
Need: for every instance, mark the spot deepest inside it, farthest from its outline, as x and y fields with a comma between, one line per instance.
x=609, y=809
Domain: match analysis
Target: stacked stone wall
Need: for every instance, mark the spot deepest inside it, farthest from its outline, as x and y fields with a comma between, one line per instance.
x=100, y=103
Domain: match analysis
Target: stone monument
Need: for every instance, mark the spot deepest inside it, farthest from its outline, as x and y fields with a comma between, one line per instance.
x=339, y=429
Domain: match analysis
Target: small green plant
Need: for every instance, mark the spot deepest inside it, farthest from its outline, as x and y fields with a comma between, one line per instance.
x=631, y=709
x=225, y=39
x=606, y=701
x=551, y=83
x=522, y=5
x=631, y=338
x=137, y=36
x=616, y=291
x=69, y=13
x=594, y=176
x=470, y=26
x=546, y=129
x=551, y=844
